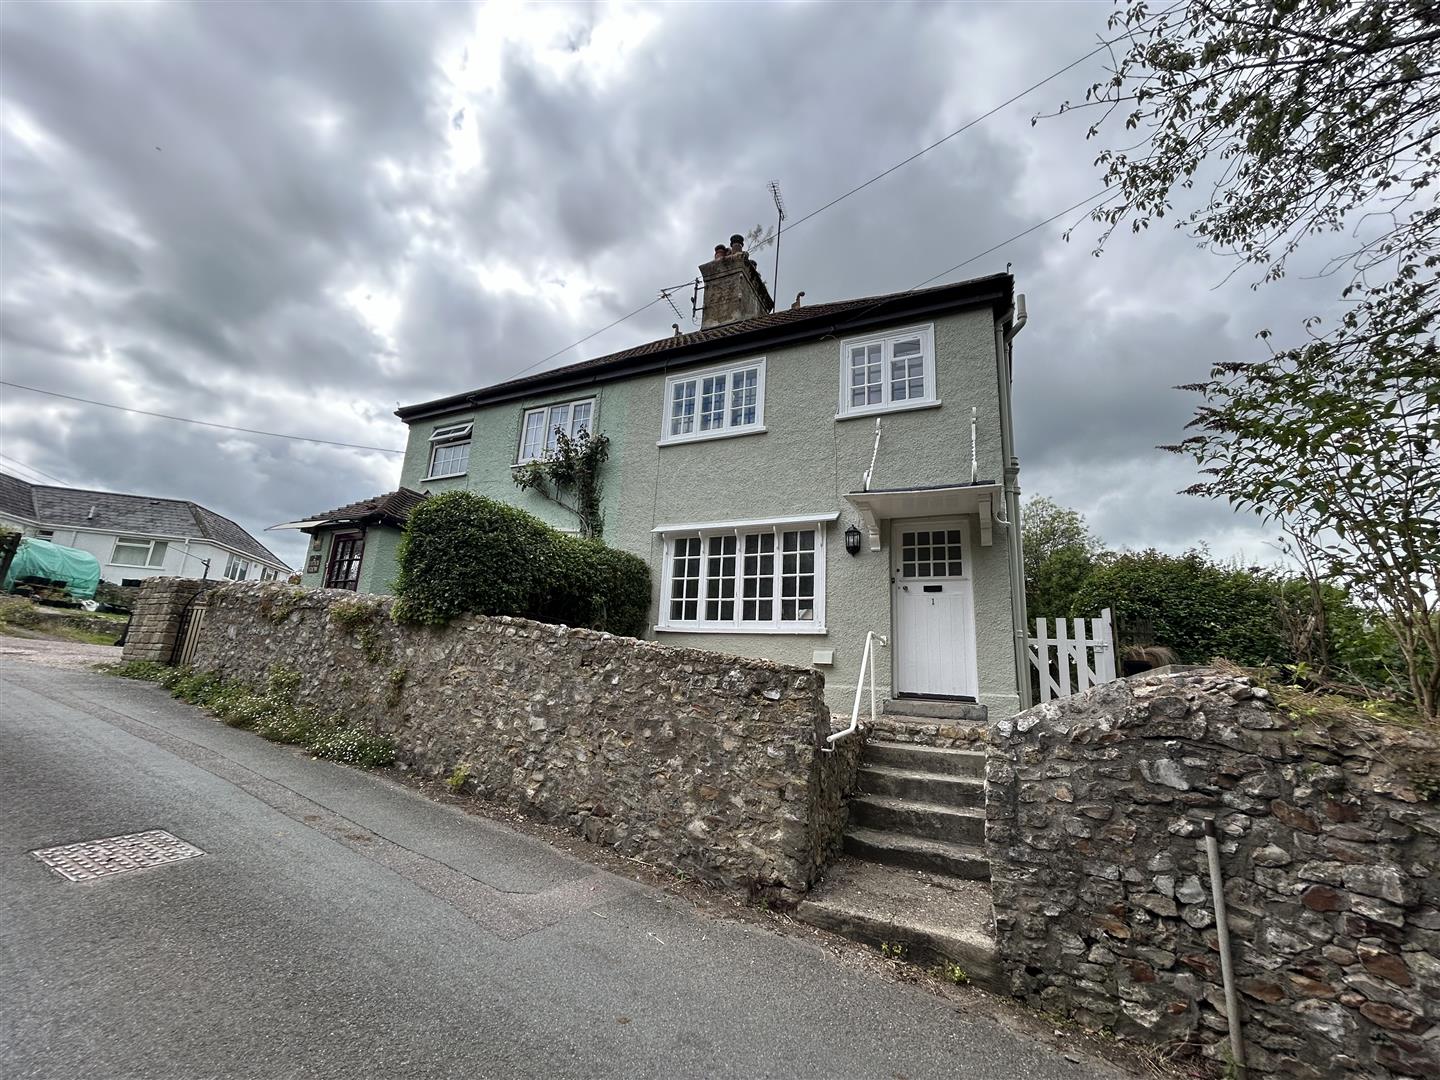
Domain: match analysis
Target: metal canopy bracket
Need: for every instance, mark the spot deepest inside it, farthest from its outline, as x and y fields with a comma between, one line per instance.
x=872, y=524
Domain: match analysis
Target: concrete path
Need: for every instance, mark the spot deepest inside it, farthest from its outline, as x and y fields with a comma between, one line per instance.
x=340, y=925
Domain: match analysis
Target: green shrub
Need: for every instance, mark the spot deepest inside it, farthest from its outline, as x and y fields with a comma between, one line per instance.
x=466, y=554
x=463, y=553
x=1198, y=608
x=273, y=713
x=596, y=586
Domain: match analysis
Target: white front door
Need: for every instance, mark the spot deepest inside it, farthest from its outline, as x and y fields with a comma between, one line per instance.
x=934, y=608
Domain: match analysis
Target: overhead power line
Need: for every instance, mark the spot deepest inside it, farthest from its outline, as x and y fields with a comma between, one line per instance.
x=1102, y=47
x=938, y=142
x=32, y=468
x=201, y=423
x=386, y=450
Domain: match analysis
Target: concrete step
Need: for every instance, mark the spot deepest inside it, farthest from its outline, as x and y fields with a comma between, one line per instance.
x=964, y=861
x=957, y=824
x=937, y=709
x=930, y=919
x=921, y=786
x=927, y=759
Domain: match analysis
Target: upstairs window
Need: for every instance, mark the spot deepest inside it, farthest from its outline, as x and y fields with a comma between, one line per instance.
x=138, y=551
x=890, y=371
x=450, y=450
x=541, y=427
x=715, y=403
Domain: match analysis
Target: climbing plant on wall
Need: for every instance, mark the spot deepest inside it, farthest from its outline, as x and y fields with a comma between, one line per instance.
x=569, y=474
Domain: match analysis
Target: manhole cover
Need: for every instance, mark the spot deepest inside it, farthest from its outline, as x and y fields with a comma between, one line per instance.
x=116, y=854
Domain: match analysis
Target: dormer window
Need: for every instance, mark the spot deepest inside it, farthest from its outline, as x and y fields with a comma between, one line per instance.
x=450, y=450
x=888, y=372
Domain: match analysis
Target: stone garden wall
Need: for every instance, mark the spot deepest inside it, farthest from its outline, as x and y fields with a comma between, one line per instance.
x=1330, y=853
x=697, y=761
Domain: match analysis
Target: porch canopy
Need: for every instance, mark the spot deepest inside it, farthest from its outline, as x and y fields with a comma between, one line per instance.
x=878, y=507
x=392, y=508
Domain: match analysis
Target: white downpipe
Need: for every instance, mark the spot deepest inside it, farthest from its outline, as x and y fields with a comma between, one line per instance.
x=874, y=453
x=1222, y=939
x=867, y=665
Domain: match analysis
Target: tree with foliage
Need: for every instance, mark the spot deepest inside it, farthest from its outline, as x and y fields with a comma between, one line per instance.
x=1277, y=120
x=1189, y=603
x=1060, y=551
x=569, y=475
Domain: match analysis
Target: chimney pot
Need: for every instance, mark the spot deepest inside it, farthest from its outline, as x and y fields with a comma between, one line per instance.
x=734, y=289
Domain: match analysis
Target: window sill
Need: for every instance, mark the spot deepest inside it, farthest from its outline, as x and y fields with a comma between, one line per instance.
x=708, y=436
x=880, y=410
x=443, y=476
x=808, y=631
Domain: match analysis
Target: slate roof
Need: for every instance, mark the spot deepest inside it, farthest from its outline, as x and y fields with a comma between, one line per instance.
x=790, y=324
x=391, y=508
x=139, y=515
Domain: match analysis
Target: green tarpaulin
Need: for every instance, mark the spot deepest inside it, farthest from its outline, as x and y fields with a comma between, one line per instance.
x=41, y=559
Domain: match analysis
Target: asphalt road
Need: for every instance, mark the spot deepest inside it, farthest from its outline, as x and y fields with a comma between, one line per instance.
x=340, y=925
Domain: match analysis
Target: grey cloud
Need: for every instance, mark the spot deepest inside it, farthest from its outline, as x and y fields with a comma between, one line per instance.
x=303, y=150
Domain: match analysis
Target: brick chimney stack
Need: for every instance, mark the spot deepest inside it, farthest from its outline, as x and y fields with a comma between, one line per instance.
x=734, y=290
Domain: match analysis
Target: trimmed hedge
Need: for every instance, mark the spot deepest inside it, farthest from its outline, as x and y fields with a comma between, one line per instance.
x=1199, y=609
x=465, y=554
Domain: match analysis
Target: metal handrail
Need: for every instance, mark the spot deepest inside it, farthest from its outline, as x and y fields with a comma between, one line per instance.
x=867, y=665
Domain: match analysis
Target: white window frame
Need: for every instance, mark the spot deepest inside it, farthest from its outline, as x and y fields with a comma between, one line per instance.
x=237, y=567
x=445, y=436
x=140, y=541
x=726, y=430
x=886, y=341
x=670, y=534
x=547, y=429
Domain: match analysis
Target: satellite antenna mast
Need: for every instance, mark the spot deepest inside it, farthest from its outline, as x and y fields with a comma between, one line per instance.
x=779, y=224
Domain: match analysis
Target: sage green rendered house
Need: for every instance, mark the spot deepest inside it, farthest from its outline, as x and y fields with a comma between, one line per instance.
x=798, y=481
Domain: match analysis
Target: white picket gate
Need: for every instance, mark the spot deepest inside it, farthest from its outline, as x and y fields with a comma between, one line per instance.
x=1092, y=655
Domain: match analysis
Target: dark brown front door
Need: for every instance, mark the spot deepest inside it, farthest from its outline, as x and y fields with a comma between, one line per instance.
x=346, y=551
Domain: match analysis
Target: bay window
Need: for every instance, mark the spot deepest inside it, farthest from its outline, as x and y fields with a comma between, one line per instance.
x=745, y=577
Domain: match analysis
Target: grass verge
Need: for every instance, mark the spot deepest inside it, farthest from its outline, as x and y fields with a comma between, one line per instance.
x=272, y=713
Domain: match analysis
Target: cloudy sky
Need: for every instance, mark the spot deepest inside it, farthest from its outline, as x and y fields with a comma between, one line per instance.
x=294, y=217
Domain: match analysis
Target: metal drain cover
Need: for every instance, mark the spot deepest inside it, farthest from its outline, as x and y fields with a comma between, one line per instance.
x=116, y=854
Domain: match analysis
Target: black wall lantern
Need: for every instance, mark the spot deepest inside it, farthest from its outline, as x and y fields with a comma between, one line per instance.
x=852, y=540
